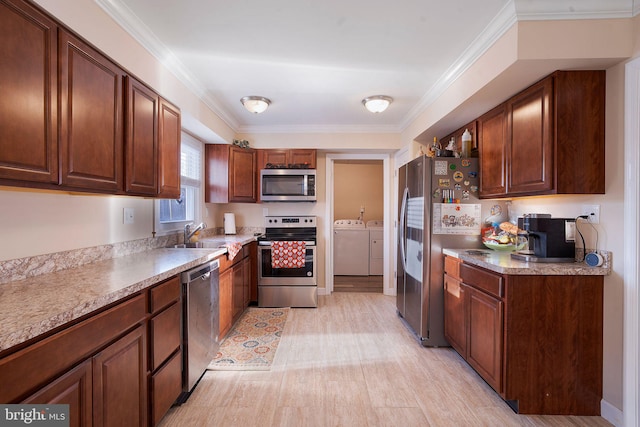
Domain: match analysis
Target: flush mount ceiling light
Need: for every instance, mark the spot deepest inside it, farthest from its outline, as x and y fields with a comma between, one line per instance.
x=255, y=104
x=377, y=103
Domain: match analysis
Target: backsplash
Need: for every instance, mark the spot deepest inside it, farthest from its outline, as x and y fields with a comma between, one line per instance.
x=22, y=268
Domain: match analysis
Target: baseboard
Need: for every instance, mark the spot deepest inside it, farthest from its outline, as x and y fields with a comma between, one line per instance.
x=611, y=413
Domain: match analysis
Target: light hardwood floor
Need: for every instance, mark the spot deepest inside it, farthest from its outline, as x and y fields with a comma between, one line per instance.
x=352, y=362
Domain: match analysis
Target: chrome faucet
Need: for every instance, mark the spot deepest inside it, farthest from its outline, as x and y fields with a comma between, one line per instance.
x=188, y=232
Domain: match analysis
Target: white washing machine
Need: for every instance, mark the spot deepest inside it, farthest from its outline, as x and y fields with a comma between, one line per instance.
x=376, y=247
x=350, y=248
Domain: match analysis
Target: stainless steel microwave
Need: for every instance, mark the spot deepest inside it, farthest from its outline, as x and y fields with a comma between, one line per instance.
x=288, y=185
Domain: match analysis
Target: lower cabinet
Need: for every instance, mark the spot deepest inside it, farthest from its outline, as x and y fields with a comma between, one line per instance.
x=237, y=282
x=119, y=367
x=73, y=388
x=120, y=382
x=535, y=339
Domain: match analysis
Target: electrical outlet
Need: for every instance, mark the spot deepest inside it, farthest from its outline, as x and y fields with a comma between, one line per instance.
x=128, y=215
x=592, y=212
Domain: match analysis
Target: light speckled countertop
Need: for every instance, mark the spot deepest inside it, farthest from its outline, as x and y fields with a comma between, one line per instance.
x=34, y=306
x=501, y=262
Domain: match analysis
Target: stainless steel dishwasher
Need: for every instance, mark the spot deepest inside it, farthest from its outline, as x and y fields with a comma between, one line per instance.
x=201, y=322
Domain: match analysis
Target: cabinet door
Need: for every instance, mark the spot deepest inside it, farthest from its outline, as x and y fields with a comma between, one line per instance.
x=484, y=350
x=119, y=382
x=226, y=302
x=238, y=290
x=28, y=105
x=492, y=140
x=165, y=387
x=91, y=137
x=246, y=282
x=141, y=139
x=303, y=157
x=455, y=319
x=242, y=175
x=531, y=163
x=169, y=134
x=73, y=389
x=274, y=157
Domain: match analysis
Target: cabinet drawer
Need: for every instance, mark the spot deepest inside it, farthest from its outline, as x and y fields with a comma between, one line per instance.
x=166, y=386
x=60, y=351
x=452, y=267
x=165, y=293
x=482, y=279
x=165, y=334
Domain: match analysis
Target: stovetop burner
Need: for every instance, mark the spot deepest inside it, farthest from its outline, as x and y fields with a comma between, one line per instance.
x=289, y=228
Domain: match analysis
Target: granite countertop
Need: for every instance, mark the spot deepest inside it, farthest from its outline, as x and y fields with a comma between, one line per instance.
x=501, y=262
x=34, y=306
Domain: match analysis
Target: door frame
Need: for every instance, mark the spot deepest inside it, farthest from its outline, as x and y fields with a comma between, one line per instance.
x=631, y=353
x=388, y=286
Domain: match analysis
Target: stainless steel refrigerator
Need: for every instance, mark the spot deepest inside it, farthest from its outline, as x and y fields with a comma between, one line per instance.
x=438, y=208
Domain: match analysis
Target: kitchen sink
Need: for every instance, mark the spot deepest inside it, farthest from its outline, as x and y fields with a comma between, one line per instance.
x=195, y=245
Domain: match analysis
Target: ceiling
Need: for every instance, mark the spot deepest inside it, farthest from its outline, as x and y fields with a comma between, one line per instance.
x=316, y=60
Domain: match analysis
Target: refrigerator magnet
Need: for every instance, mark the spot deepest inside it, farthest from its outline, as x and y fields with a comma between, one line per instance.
x=458, y=176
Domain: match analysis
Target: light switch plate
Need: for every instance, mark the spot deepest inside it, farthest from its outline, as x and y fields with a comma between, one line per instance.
x=128, y=215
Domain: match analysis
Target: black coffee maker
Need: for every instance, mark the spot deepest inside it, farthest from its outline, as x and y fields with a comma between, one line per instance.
x=550, y=239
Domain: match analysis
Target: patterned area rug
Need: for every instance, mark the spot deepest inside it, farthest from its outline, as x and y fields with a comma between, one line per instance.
x=252, y=342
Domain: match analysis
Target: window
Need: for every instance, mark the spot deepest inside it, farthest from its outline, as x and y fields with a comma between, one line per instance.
x=172, y=215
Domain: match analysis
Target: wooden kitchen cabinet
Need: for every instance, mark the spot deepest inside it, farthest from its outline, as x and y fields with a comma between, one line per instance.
x=91, y=129
x=141, y=139
x=75, y=120
x=152, y=143
x=226, y=301
x=165, y=347
x=169, y=139
x=455, y=321
x=230, y=174
x=119, y=366
x=120, y=382
x=237, y=280
x=484, y=345
x=548, y=139
x=287, y=157
x=535, y=339
x=73, y=388
x=493, y=146
x=28, y=107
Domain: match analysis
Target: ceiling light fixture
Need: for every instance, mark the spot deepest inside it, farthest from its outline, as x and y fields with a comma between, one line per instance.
x=377, y=103
x=255, y=104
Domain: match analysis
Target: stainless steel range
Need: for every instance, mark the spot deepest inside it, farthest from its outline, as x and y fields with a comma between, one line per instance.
x=287, y=262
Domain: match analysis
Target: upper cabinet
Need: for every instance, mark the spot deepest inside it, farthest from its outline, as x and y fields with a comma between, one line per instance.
x=169, y=151
x=91, y=128
x=74, y=119
x=230, y=174
x=28, y=107
x=141, y=139
x=548, y=139
x=293, y=157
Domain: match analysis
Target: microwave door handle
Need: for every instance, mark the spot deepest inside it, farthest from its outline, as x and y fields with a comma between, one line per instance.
x=305, y=185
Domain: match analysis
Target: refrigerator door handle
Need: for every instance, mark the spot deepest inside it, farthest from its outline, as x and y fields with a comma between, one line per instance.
x=403, y=209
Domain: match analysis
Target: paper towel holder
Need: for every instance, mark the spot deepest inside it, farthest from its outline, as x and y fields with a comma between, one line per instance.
x=229, y=221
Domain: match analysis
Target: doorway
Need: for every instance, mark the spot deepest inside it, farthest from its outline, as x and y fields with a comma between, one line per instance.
x=358, y=189
x=358, y=202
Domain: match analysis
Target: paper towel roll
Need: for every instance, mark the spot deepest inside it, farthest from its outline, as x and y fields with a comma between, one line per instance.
x=229, y=223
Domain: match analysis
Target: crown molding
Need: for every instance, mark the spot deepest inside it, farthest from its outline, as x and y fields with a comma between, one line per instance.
x=124, y=17
x=496, y=29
